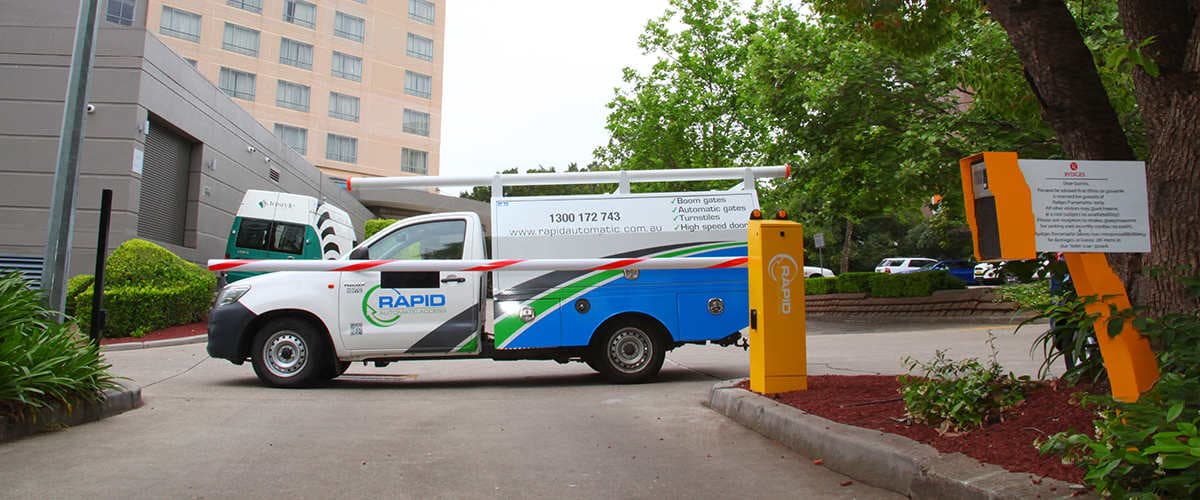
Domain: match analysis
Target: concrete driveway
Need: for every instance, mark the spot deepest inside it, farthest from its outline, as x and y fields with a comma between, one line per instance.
x=457, y=429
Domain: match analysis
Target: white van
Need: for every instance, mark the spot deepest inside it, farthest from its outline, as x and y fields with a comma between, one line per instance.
x=273, y=225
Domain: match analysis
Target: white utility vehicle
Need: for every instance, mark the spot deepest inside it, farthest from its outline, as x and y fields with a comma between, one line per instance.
x=300, y=327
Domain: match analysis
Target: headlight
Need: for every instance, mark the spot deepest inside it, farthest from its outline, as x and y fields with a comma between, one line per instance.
x=231, y=293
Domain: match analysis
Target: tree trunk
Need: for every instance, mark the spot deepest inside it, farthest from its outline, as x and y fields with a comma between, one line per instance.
x=847, y=246
x=1170, y=106
x=1060, y=70
x=1062, y=74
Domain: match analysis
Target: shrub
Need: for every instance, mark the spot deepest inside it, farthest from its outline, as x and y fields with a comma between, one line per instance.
x=75, y=285
x=854, y=282
x=149, y=288
x=959, y=395
x=920, y=284
x=42, y=361
x=1030, y=296
x=375, y=225
x=820, y=286
x=1149, y=448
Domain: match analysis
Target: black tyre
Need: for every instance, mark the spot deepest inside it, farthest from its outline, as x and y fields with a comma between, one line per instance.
x=289, y=352
x=628, y=352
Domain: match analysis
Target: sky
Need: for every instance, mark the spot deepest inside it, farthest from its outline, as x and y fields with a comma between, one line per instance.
x=526, y=82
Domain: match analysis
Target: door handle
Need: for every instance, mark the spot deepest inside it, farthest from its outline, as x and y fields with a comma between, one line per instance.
x=454, y=279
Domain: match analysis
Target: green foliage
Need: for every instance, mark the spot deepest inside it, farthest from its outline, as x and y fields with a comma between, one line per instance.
x=375, y=225
x=820, y=286
x=959, y=395
x=694, y=107
x=75, y=285
x=148, y=288
x=920, y=284
x=484, y=193
x=1149, y=448
x=1071, y=337
x=1033, y=296
x=42, y=361
x=854, y=282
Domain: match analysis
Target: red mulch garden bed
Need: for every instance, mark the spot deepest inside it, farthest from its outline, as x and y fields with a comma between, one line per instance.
x=873, y=401
x=174, y=332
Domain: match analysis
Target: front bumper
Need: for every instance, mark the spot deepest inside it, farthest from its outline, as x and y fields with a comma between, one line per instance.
x=226, y=331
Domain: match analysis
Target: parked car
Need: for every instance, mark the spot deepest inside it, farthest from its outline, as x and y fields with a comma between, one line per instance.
x=817, y=272
x=964, y=270
x=903, y=264
x=1010, y=271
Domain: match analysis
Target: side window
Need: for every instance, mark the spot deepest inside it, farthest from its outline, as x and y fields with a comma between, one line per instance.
x=431, y=240
x=253, y=234
x=288, y=238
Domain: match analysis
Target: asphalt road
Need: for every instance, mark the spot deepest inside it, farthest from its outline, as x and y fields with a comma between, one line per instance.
x=458, y=429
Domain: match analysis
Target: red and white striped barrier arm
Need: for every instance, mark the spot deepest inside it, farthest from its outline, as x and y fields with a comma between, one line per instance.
x=478, y=265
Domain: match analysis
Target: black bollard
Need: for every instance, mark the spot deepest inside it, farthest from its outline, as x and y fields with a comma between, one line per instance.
x=98, y=313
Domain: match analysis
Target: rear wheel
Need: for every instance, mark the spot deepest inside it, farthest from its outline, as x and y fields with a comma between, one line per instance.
x=288, y=352
x=628, y=352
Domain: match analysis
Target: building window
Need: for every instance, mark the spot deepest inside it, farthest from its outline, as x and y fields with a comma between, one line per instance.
x=347, y=66
x=418, y=84
x=293, y=53
x=343, y=106
x=421, y=11
x=236, y=83
x=292, y=96
x=416, y=122
x=193, y=62
x=180, y=24
x=240, y=40
x=300, y=12
x=120, y=12
x=420, y=47
x=414, y=161
x=250, y=5
x=341, y=148
x=349, y=27
x=295, y=137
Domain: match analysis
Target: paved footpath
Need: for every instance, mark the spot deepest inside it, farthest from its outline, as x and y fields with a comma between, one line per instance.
x=456, y=429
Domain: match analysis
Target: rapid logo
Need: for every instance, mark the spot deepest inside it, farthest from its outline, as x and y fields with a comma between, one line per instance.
x=383, y=307
x=783, y=268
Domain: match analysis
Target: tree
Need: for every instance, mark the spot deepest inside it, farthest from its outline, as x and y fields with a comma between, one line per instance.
x=484, y=193
x=1161, y=57
x=869, y=131
x=694, y=107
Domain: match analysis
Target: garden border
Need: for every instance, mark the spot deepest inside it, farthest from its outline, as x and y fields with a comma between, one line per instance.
x=57, y=416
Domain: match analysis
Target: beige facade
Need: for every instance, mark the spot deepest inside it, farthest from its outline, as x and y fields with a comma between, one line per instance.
x=396, y=121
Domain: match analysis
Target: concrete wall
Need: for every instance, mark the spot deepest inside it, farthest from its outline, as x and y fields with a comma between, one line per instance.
x=135, y=76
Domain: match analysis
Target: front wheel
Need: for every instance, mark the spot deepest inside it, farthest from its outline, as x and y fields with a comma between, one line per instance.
x=629, y=352
x=288, y=352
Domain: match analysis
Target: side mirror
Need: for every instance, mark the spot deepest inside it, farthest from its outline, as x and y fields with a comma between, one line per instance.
x=360, y=253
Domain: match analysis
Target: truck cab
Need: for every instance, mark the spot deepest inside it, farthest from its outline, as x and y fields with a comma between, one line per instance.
x=299, y=327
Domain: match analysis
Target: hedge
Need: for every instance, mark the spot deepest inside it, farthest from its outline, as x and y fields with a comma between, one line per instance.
x=147, y=288
x=75, y=286
x=919, y=284
x=375, y=225
x=820, y=286
x=854, y=282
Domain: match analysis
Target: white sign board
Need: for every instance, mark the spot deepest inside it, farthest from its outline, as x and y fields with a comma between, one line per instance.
x=819, y=240
x=139, y=158
x=617, y=215
x=1088, y=206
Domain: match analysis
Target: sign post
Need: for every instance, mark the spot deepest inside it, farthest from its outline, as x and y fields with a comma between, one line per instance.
x=819, y=242
x=1017, y=208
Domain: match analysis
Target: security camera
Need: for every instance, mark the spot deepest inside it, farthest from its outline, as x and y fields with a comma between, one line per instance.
x=91, y=108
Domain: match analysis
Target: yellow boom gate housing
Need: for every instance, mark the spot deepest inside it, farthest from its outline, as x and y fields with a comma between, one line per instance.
x=778, y=362
x=999, y=210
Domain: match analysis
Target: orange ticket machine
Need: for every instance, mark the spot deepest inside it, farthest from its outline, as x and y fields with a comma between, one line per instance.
x=1000, y=213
